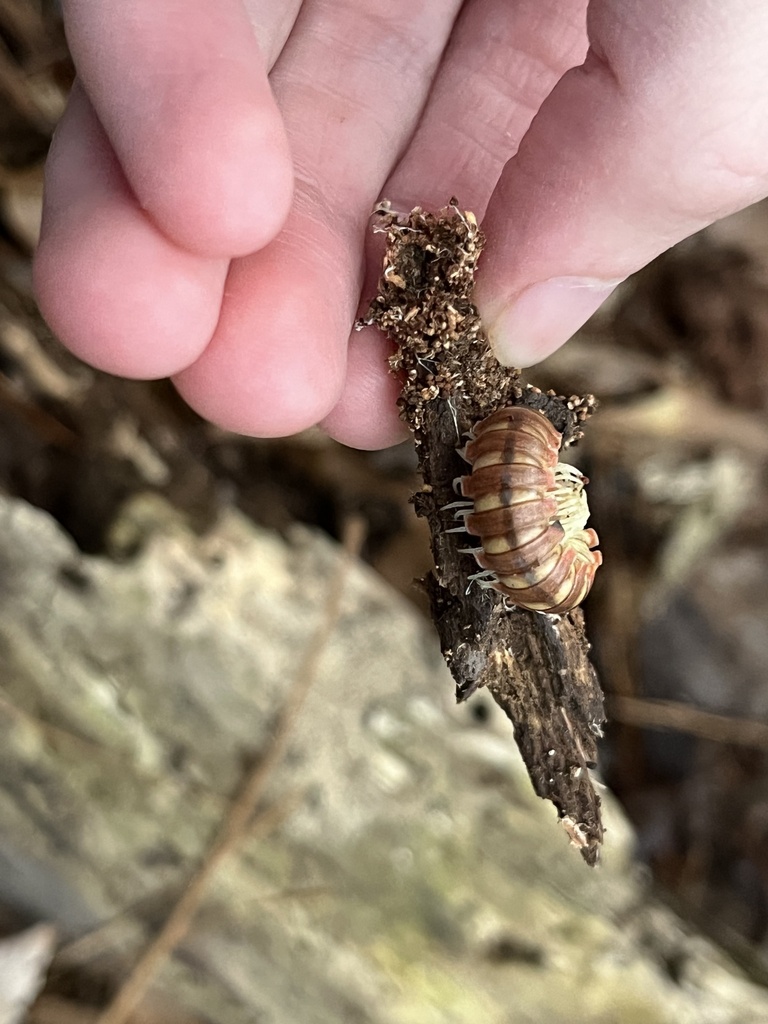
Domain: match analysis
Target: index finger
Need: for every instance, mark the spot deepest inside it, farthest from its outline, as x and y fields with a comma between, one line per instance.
x=186, y=104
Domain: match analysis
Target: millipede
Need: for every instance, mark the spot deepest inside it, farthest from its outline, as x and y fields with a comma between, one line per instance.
x=529, y=511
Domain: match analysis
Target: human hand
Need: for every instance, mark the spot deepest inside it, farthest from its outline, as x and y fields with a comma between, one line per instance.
x=199, y=225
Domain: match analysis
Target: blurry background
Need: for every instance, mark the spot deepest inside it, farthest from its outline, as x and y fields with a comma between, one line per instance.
x=677, y=456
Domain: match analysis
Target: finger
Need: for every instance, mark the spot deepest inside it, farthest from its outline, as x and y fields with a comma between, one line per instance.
x=662, y=130
x=114, y=289
x=277, y=361
x=367, y=416
x=272, y=24
x=184, y=98
x=501, y=62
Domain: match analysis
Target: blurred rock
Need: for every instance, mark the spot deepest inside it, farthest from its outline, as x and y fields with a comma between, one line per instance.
x=418, y=879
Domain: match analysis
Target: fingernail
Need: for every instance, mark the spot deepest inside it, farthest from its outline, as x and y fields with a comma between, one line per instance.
x=543, y=317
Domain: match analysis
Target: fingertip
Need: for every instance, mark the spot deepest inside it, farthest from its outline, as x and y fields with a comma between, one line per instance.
x=135, y=314
x=526, y=329
x=273, y=367
x=186, y=103
x=219, y=184
x=114, y=290
x=366, y=415
x=245, y=404
x=630, y=153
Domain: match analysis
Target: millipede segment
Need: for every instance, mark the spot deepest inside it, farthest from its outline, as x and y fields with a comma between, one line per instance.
x=530, y=512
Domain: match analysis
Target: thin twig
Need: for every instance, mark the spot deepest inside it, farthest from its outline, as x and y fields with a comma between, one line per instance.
x=667, y=714
x=237, y=824
x=48, y=729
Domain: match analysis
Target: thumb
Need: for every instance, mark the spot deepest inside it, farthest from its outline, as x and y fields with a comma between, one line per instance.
x=661, y=131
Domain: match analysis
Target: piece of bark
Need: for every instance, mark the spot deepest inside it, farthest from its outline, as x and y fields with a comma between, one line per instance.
x=535, y=665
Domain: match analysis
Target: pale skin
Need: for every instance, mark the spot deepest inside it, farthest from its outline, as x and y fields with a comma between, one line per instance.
x=209, y=188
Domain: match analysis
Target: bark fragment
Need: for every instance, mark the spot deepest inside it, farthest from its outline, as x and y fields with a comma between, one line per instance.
x=535, y=666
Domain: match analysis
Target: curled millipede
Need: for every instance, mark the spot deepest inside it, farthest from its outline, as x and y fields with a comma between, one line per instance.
x=530, y=513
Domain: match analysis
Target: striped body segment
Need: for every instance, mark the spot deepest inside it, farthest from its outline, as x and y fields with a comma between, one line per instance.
x=530, y=513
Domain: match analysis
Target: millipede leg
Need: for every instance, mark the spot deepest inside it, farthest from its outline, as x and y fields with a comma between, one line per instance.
x=479, y=581
x=484, y=574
